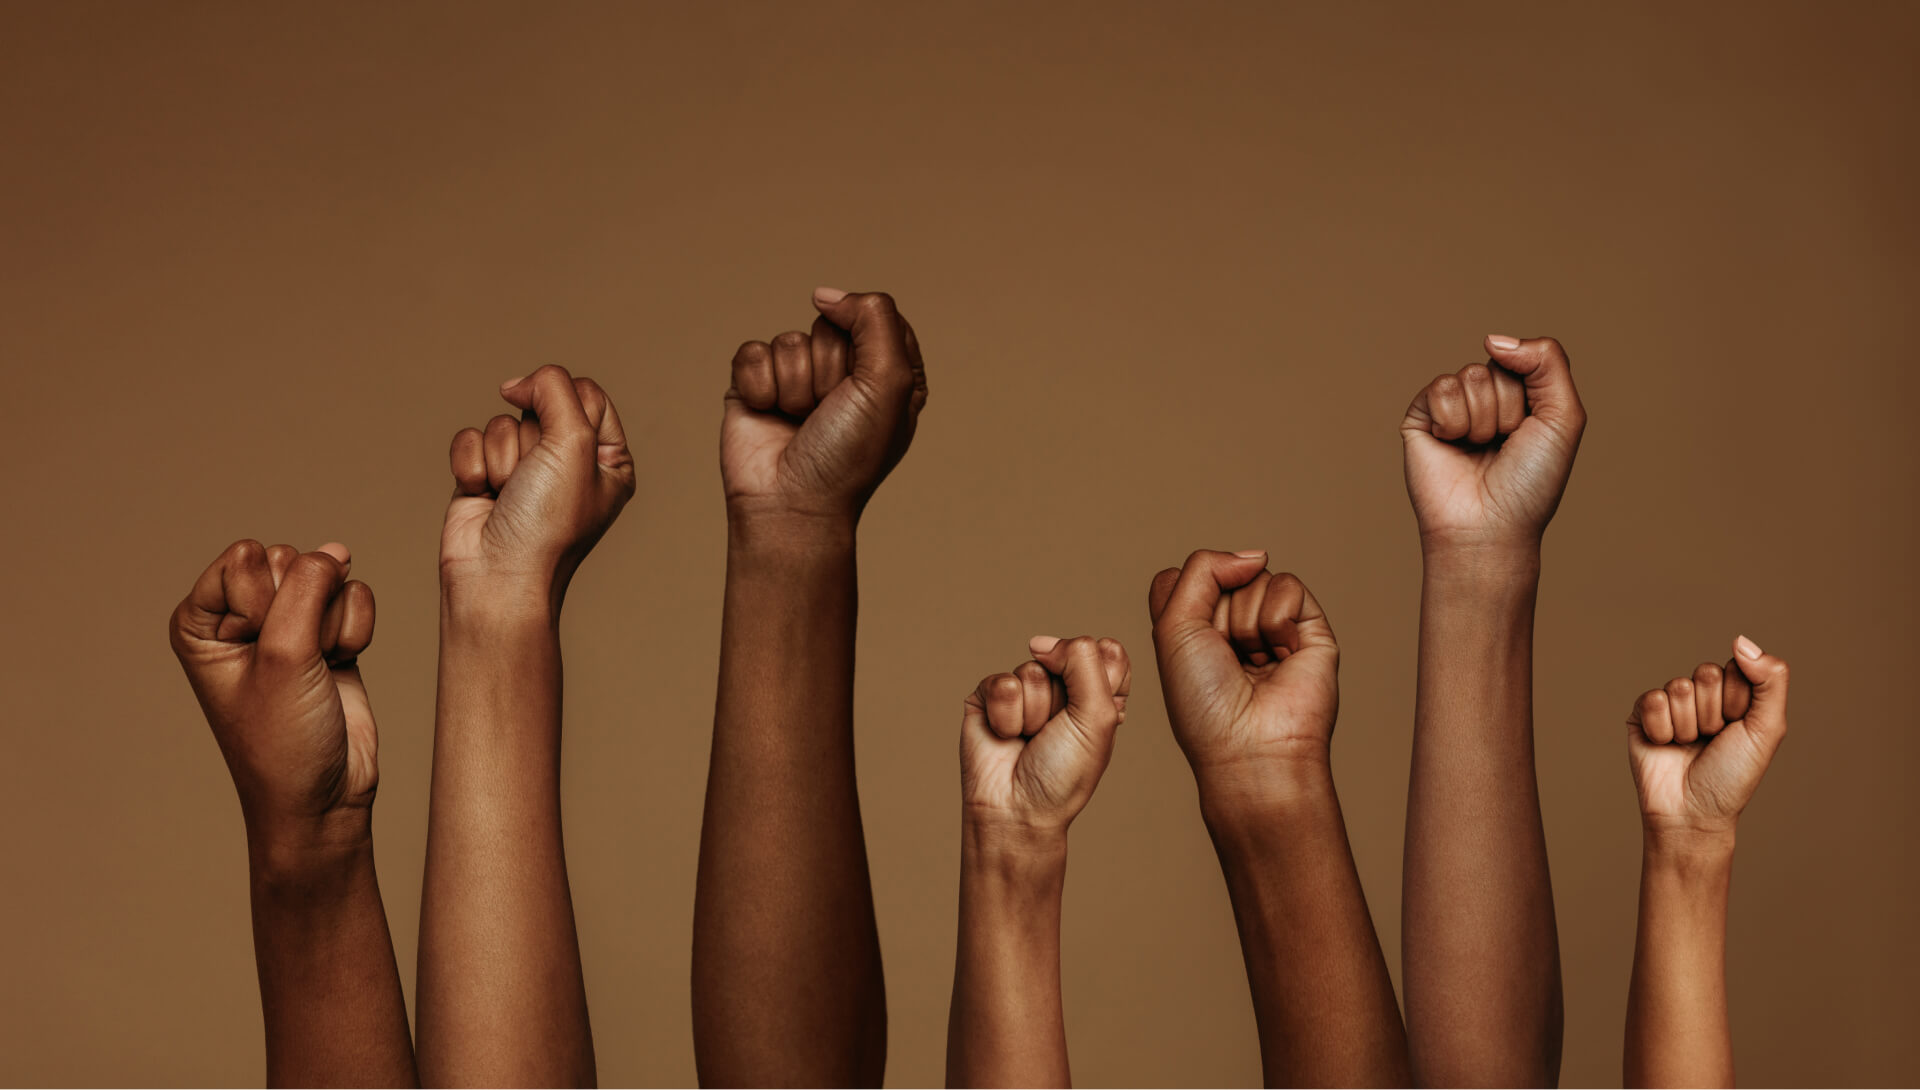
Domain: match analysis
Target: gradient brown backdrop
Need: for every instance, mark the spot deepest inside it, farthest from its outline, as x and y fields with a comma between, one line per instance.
x=1177, y=268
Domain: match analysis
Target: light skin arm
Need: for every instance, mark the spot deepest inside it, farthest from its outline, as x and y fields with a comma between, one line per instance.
x=787, y=980
x=1249, y=663
x=1033, y=745
x=1488, y=453
x=1698, y=748
x=502, y=996
x=270, y=640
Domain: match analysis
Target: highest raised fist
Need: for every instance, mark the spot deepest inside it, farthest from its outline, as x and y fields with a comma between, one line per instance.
x=269, y=640
x=815, y=421
x=1488, y=449
x=1034, y=742
x=1699, y=745
x=533, y=494
x=1250, y=672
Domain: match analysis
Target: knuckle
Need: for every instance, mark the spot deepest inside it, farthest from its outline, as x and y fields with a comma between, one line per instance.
x=552, y=371
x=791, y=339
x=502, y=424
x=246, y=550
x=878, y=303
x=313, y=566
x=1707, y=673
x=751, y=352
x=1651, y=701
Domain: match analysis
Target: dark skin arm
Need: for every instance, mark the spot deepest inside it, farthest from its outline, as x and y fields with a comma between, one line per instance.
x=502, y=992
x=1698, y=748
x=787, y=980
x=1249, y=665
x=269, y=640
x=1488, y=453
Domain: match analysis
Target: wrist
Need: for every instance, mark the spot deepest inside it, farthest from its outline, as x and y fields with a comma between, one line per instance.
x=1505, y=561
x=1235, y=792
x=1688, y=849
x=754, y=528
x=500, y=605
x=1014, y=851
x=308, y=852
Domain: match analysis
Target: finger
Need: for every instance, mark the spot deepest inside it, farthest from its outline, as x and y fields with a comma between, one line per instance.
x=230, y=599
x=1202, y=580
x=753, y=376
x=355, y=627
x=610, y=439
x=501, y=446
x=1119, y=672
x=793, y=372
x=1680, y=709
x=291, y=633
x=831, y=350
x=1001, y=699
x=1766, y=713
x=877, y=334
x=1243, y=618
x=1090, y=704
x=1510, y=399
x=919, y=367
x=1707, y=686
x=468, y=459
x=1036, y=693
x=1547, y=374
x=549, y=394
x=1160, y=591
x=1483, y=407
x=1447, y=405
x=1736, y=694
x=278, y=557
x=1654, y=721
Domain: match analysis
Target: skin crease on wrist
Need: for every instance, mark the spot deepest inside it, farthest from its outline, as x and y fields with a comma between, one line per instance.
x=1488, y=452
x=270, y=641
x=1033, y=745
x=787, y=980
x=502, y=994
x=1249, y=668
x=1698, y=748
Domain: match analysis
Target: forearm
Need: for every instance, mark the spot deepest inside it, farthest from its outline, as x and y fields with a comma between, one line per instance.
x=502, y=998
x=1322, y=996
x=1480, y=953
x=329, y=988
x=1006, y=1027
x=787, y=981
x=1677, y=1029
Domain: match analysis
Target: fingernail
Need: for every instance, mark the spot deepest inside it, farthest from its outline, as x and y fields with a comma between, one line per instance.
x=337, y=551
x=1505, y=344
x=1250, y=554
x=1746, y=648
x=826, y=297
x=1040, y=645
x=511, y=383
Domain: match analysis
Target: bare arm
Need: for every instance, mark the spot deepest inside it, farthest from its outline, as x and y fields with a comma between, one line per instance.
x=1006, y=1026
x=1677, y=1030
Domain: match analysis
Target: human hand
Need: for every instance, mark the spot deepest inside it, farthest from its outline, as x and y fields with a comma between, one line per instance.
x=1034, y=742
x=1489, y=449
x=269, y=640
x=814, y=422
x=1699, y=746
x=532, y=495
x=1250, y=671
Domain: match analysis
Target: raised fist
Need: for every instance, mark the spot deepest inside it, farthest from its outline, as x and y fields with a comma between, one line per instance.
x=1699, y=746
x=815, y=421
x=269, y=640
x=533, y=494
x=1034, y=742
x=1488, y=450
x=1249, y=668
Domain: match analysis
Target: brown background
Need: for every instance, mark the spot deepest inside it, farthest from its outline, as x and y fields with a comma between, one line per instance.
x=1178, y=269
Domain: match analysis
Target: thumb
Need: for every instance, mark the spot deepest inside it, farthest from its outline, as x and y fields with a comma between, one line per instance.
x=878, y=333
x=550, y=394
x=1767, y=713
x=1546, y=371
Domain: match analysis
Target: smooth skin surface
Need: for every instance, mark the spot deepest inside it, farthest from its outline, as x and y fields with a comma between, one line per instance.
x=1033, y=745
x=1488, y=451
x=502, y=997
x=270, y=640
x=1250, y=670
x=787, y=981
x=1698, y=748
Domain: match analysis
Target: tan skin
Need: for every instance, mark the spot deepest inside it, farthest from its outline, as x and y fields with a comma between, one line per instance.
x=502, y=998
x=1250, y=670
x=269, y=640
x=1033, y=744
x=1698, y=747
x=787, y=979
x=1488, y=453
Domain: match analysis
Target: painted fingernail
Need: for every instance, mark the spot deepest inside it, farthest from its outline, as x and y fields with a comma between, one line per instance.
x=1040, y=645
x=1501, y=342
x=511, y=383
x=826, y=297
x=1746, y=648
x=1250, y=554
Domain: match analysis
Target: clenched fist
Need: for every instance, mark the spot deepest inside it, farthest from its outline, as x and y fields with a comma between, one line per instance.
x=269, y=640
x=1489, y=449
x=1250, y=670
x=1034, y=742
x=533, y=494
x=1700, y=745
x=814, y=421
